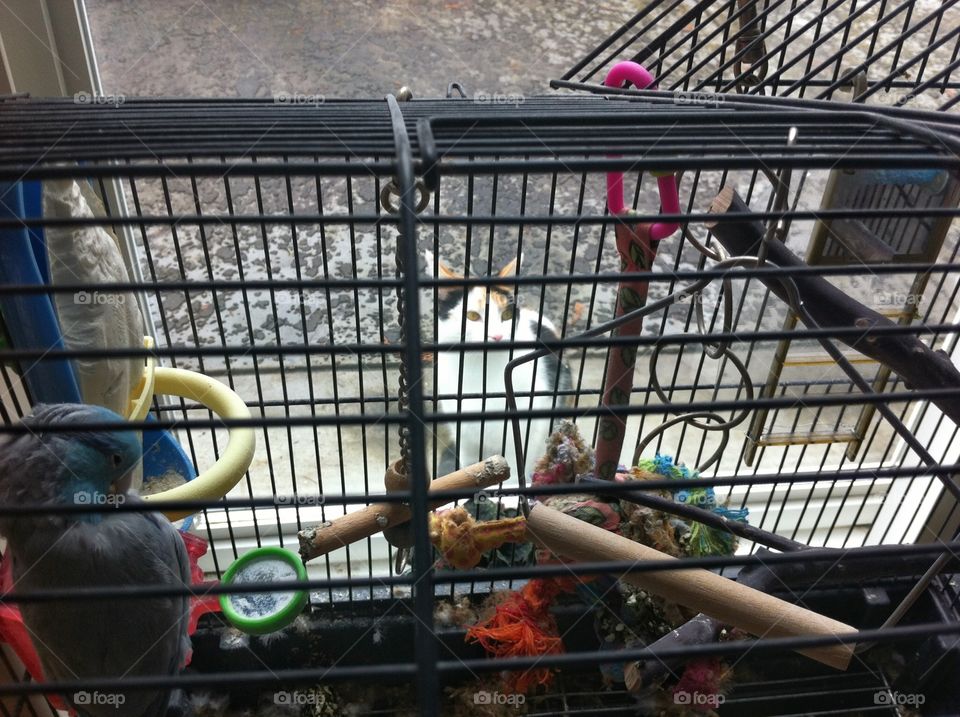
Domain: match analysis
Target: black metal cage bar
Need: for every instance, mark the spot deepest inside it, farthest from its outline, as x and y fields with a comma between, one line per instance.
x=283, y=252
x=875, y=52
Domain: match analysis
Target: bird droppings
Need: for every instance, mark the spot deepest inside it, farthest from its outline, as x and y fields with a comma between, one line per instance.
x=209, y=704
x=263, y=570
x=303, y=624
x=233, y=639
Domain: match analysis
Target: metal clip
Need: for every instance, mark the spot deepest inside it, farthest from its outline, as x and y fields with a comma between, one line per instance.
x=390, y=190
x=751, y=64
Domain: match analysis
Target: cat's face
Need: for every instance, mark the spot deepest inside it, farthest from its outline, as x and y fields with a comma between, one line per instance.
x=477, y=314
x=490, y=314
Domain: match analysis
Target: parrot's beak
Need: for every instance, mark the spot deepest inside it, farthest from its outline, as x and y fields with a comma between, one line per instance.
x=130, y=480
x=122, y=485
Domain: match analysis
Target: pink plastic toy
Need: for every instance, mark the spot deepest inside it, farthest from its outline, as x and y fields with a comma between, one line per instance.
x=667, y=183
x=637, y=244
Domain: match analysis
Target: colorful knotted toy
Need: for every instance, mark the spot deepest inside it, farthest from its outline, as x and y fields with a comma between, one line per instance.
x=521, y=623
x=701, y=540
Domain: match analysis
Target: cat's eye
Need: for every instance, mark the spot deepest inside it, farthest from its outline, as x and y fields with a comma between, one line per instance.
x=507, y=313
x=473, y=315
x=117, y=460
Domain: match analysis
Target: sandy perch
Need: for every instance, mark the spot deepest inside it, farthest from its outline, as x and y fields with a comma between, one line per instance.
x=321, y=539
x=724, y=599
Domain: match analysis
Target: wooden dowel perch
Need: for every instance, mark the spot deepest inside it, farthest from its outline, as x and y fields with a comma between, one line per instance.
x=723, y=599
x=326, y=537
x=822, y=567
x=917, y=364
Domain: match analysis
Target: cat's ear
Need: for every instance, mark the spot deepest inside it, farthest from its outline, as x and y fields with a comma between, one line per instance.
x=512, y=268
x=445, y=271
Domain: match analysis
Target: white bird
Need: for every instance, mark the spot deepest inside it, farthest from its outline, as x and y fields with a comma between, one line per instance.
x=90, y=254
x=92, y=319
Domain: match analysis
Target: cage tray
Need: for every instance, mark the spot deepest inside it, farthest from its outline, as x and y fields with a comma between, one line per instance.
x=382, y=631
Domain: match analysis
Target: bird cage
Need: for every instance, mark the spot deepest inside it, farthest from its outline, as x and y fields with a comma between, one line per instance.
x=865, y=53
x=311, y=256
x=878, y=53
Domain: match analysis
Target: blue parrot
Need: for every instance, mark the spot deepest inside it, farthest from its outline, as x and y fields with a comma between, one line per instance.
x=93, y=638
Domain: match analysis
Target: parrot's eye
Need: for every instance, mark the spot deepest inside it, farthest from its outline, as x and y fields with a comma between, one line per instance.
x=117, y=460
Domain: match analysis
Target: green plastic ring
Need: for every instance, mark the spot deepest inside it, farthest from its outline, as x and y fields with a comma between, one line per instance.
x=275, y=620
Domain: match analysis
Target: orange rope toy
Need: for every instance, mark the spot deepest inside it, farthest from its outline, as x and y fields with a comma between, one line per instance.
x=462, y=540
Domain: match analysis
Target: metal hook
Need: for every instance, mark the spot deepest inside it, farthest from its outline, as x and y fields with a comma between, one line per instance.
x=390, y=190
x=717, y=350
x=857, y=82
x=724, y=429
x=458, y=88
x=751, y=64
x=400, y=560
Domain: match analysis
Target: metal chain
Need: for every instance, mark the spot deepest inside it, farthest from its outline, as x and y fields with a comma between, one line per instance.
x=402, y=389
x=390, y=203
x=388, y=195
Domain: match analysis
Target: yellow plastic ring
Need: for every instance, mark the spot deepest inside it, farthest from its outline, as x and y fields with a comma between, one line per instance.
x=143, y=394
x=219, y=479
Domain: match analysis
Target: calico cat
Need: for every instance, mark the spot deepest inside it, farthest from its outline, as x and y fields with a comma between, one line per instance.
x=489, y=314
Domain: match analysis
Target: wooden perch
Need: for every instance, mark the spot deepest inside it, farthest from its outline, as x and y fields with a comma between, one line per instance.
x=321, y=539
x=725, y=600
x=917, y=364
x=822, y=566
